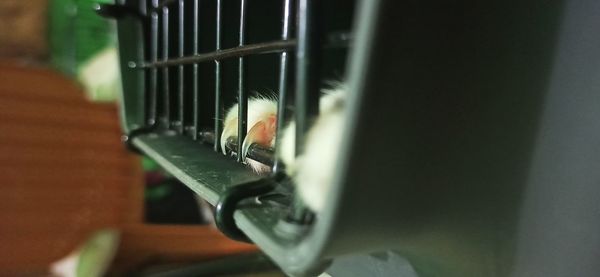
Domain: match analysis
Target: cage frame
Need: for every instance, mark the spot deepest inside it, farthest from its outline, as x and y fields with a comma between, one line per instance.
x=405, y=223
x=140, y=82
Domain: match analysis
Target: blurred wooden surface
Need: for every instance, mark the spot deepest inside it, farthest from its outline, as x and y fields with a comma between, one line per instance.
x=23, y=28
x=64, y=173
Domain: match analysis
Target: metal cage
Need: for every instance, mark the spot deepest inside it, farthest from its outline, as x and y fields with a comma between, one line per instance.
x=449, y=107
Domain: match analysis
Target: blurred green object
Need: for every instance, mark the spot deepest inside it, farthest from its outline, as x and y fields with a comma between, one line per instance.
x=157, y=192
x=83, y=46
x=92, y=258
x=97, y=253
x=149, y=164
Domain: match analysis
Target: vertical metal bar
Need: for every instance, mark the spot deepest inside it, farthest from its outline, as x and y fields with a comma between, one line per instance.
x=152, y=114
x=143, y=8
x=165, y=56
x=146, y=41
x=308, y=71
x=283, y=79
x=218, y=104
x=195, y=70
x=242, y=95
x=180, y=81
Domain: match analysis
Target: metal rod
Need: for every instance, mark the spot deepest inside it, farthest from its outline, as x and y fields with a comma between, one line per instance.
x=152, y=113
x=218, y=103
x=242, y=95
x=195, y=71
x=163, y=4
x=287, y=15
x=165, y=56
x=143, y=11
x=180, y=82
x=256, y=151
x=283, y=79
x=143, y=7
x=308, y=73
x=335, y=40
x=236, y=52
x=308, y=70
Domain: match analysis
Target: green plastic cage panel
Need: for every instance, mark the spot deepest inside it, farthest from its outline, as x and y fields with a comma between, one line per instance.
x=471, y=145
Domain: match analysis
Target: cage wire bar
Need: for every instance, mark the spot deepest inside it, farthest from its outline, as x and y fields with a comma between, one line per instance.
x=153, y=86
x=308, y=73
x=283, y=80
x=165, y=56
x=164, y=3
x=218, y=103
x=180, y=84
x=242, y=90
x=196, y=127
x=240, y=51
x=308, y=68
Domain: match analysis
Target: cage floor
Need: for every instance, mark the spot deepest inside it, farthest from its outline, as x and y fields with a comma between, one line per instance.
x=210, y=174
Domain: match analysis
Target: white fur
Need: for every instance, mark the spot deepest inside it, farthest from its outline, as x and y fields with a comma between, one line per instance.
x=259, y=108
x=313, y=171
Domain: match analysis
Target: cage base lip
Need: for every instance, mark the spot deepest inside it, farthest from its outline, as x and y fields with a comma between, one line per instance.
x=204, y=183
x=297, y=256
